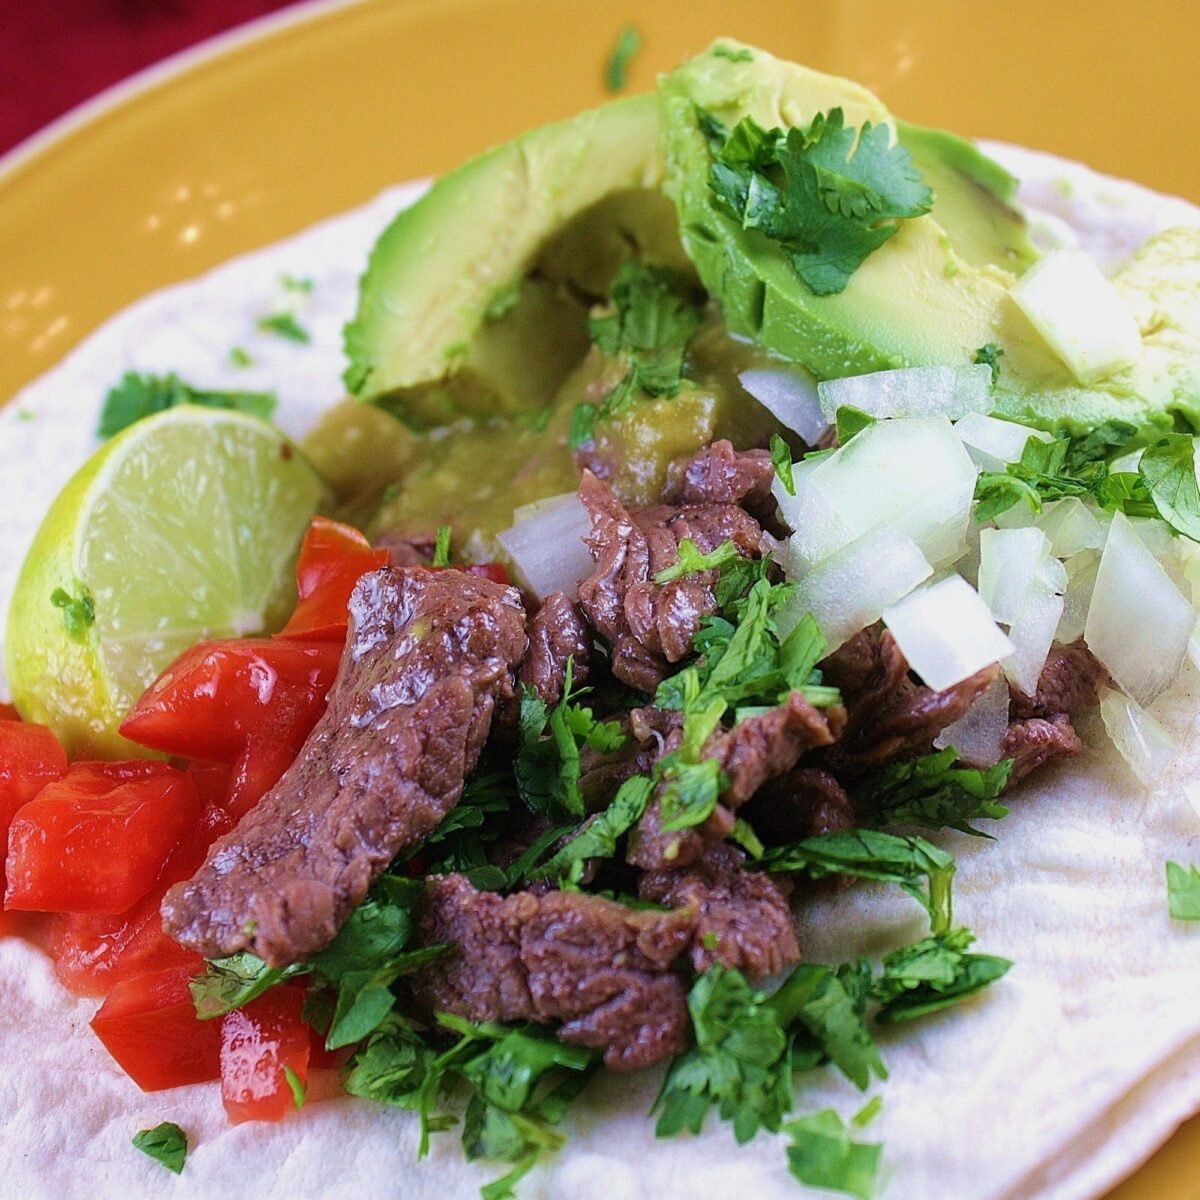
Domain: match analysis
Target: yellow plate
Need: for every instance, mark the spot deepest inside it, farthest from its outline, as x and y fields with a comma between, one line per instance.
x=299, y=117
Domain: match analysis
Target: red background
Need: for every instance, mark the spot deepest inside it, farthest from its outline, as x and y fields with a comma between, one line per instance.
x=56, y=53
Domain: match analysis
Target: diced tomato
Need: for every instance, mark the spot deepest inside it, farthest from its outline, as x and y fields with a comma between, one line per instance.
x=149, y=1025
x=212, y=781
x=8, y=712
x=320, y=1059
x=493, y=571
x=259, y=769
x=93, y=951
x=259, y=1043
x=332, y=559
x=30, y=758
x=217, y=694
x=97, y=839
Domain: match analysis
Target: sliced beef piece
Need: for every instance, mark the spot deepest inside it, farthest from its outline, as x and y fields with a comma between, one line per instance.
x=428, y=658
x=742, y=917
x=649, y=734
x=1035, y=741
x=751, y=753
x=556, y=633
x=890, y=716
x=803, y=803
x=647, y=624
x=1070, y=681
x=600, y=968
x=719, y=474
x=406, y=551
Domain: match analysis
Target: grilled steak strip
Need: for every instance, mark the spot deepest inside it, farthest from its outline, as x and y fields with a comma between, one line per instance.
x=719, y=474
x=428, y=658
x=597, y=966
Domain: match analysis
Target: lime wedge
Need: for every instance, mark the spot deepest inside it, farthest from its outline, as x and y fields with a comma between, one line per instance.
x=184, y=527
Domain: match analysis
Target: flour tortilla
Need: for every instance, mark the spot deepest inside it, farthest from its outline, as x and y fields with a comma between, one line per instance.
x=1054, y=1084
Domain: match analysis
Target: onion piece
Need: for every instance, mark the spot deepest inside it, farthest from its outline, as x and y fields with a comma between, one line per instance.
x=546, y=547
x=1140, y=740
x=911, y=392
x=1138, y=622
x=1009, y=561
x=946, y=632
x=978, y=735
x=910, y=474
x=1032, y=633
x=1077, y=598
x=788, y=393
x=1071, y=527
x=850, y=589
x=993, y=443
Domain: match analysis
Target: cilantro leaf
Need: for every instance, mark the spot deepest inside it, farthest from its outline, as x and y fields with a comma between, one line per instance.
x=691, y=561
x=830, y=195
x=1183, y=892
x=934, y=793
x=616, y=70
x=598, y=837
x=822, y=1155
x=990, y=355
x=229, y=983
x=143, y=395
x=165, y=1143
x=651, y=320
x=816, y=997
x=441, y=549
x=583, y=426
x=739, y=1063
x=913, y=864
x=850, y=420
x=296, y=1086
x=781, y=460
x=365, y=997
x=284, y=325
x=79, y=612
x=931, y=975
x=1168, y=471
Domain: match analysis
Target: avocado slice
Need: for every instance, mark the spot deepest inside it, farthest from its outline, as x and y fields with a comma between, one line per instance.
x=454, y=262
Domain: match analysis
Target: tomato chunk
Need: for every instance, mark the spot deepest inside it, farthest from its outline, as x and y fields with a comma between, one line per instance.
x=259, y=1044
x=97, y=839
x=8, y=712
x=149, y=1025
x=217, y=694
x=30, y=758
x=94, y=951
x=332, y=559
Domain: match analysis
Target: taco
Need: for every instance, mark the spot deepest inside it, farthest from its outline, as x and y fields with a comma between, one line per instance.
x=650, y=797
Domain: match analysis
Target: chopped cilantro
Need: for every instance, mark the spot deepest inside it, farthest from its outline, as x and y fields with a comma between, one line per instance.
x=935, y=794
x=298, y=1087
x=913, y=864
x=850, y=420
x=990, y=355
x=240, y=356
x=138, y=396
x=616, y=69
x=1168, y=471
x=441, y=550
x=597, y=838
x=652, y=317
x=583, y=426
x=228, y=983
x=731, y=55
x=1183, y=892
x=867, y=1113
x=781, y=460
x=743, y=833
x=691, y=561
x=931, y=975
x=165, y=1143
x=285, y=325
x=830, y=195
x=79, y=612
x=823, y=1155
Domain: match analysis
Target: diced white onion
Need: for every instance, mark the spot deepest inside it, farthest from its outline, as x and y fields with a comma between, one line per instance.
x=1071, y=527
x=546, y=546
x=1127, y=462
x=789, y=393
x=1138, y=623
x=792, y=504
x=1081, y=582
x=993, y=443
x=1009, y=561
x=849, y=590
x=911, y=392
x=1140, y=740
x=1192, y=792
x=946, y=632
x=1032, y=634
x=978, y=735
x=910, y=474
x=1079, y=314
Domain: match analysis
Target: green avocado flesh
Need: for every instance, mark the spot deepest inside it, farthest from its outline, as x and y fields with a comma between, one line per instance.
x=472, y=325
